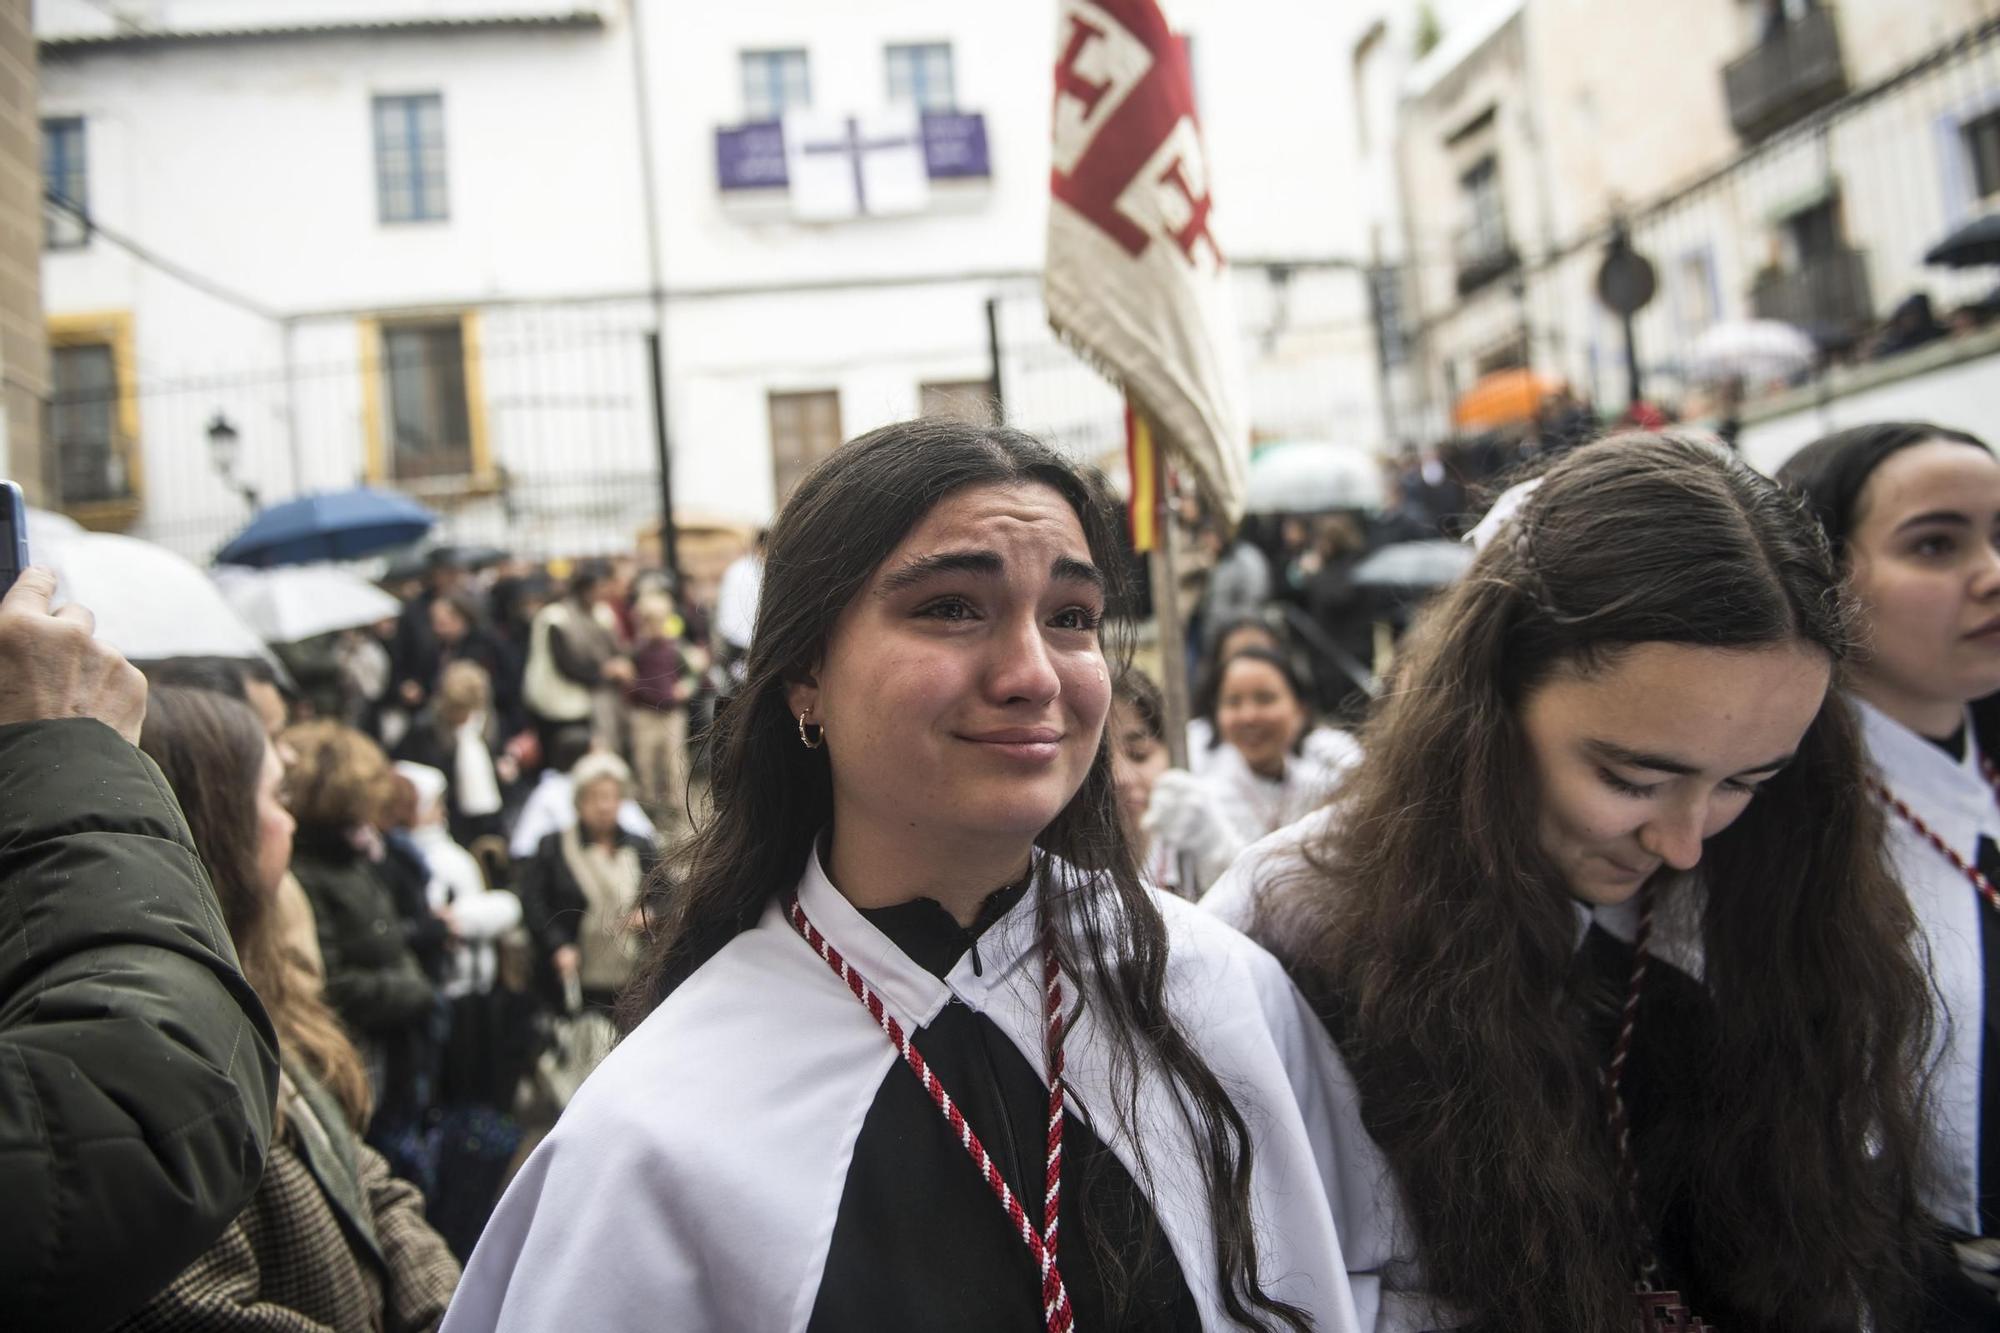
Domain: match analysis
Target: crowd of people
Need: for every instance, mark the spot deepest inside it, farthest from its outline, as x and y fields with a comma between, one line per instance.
x=1624, y=959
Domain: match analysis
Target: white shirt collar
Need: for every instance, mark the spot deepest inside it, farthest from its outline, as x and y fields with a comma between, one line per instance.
x=911, y=992
x=1949, y=794
x=1676, y=933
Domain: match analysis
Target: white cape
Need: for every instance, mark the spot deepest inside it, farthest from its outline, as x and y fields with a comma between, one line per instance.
x=1952, y=797
x=694, y=1181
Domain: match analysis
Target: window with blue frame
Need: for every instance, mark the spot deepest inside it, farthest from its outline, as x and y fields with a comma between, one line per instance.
x=64, y=174
x=920, y=74
x=774, y=82
x=409, y=158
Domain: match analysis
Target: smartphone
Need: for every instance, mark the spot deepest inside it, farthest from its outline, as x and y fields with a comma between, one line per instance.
x=13, y=535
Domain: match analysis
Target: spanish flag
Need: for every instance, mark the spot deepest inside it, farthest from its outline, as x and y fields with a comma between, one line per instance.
x=1139, y=459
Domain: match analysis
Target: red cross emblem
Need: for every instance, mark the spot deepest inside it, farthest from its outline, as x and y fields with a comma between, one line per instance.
x=1128, y=148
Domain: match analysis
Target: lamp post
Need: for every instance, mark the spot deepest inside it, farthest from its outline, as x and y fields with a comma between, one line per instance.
x=223, y=447
x=1625, y=283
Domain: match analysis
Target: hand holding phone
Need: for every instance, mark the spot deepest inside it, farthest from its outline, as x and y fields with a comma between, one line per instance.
x=13, y=535
x=53, y=667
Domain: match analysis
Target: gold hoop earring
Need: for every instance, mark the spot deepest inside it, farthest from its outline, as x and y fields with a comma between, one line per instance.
x=810, y=742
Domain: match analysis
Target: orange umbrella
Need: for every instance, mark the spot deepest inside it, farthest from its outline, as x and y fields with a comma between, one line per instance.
x=1501, y=399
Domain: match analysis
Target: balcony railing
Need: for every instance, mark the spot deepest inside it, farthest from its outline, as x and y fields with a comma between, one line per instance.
x=1826, y=295
x=1483, y=252
x=1787, y=76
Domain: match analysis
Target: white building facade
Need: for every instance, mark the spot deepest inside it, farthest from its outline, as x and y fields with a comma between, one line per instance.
x=427, y=242
x=1791, y=160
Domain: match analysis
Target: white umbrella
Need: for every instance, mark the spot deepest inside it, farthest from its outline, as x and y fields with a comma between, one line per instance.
x=46, y=529
x=1755, y=349
x=149, y=602
x=290, y=603
x=1426, y=564
x=1310, y=477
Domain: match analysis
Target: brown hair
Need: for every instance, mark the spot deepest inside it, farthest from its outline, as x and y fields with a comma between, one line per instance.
x=340, y=778
x=399, y=811
x=211, y=749
x=1439, y=941
x=1136, y=690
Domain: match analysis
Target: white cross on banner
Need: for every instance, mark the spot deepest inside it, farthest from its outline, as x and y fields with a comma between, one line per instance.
x=1134, y=275
x=869, y=164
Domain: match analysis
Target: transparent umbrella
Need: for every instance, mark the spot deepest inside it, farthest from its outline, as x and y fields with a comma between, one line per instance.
x=149, y=602
x=1311, y=477
x=291, y=603
x=1752, y=349
x=1414, y=565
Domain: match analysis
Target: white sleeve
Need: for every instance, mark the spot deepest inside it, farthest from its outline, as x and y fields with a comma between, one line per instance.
x=1195, y=815
x=486, y=914
x=548, y=1256
x=632, y=818
x=537, y=821
x=1234, y=895
x=1333, y=750
x=1359, y=1189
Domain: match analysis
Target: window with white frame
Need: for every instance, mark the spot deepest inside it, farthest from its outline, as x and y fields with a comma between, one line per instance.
x=920, y=74
x=774, y=82
x=409, y=158
x=64, y=174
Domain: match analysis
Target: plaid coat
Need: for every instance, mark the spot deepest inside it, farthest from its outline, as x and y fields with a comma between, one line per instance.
x=332, y=1243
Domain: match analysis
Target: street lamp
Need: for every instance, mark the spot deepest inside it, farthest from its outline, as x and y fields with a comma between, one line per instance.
x=223, y=446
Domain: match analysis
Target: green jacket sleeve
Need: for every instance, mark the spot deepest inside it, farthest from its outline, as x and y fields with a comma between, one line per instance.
x=137, y=1069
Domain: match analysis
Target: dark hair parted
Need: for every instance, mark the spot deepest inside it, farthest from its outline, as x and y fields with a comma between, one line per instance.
x=1832, y=472
x=211, y=749
x=771, y=797
x=1439, y=940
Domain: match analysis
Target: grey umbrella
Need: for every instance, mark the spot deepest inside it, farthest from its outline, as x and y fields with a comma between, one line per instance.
x=1976, y=243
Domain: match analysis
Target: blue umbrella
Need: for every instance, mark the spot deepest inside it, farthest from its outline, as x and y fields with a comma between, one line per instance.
x=334, y=525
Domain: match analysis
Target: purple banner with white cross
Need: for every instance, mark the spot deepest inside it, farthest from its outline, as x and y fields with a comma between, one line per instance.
x=752, y=157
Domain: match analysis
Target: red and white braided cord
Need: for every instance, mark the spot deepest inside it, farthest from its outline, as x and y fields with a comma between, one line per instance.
x=1658, y=1310
x=1614, y=1087
x=1925, y=831
x=1056, y=1314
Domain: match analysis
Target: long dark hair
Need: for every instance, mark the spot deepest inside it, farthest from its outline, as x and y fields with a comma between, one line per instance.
x=1833, y=471
x=771, y=797
x=1439, y=939
x=211, y=749
x=1832, y=474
